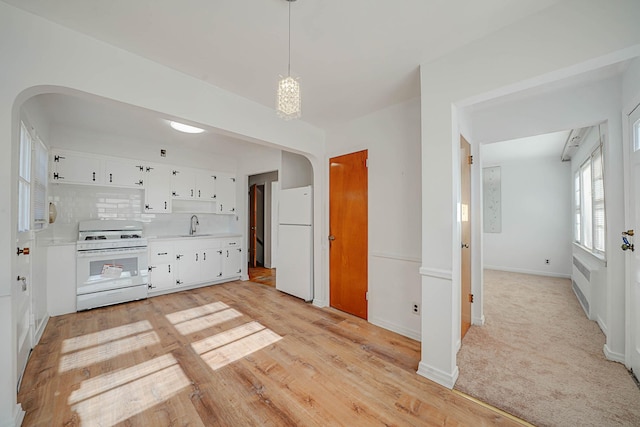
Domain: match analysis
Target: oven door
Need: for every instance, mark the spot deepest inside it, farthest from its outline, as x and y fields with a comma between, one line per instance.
x=108, y=269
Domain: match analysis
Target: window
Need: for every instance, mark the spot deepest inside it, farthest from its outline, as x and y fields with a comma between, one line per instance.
x=24, y=180
x=589, y=215
x=32, y=182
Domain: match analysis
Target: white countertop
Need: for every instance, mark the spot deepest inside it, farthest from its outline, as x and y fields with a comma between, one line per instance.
x=196, y=236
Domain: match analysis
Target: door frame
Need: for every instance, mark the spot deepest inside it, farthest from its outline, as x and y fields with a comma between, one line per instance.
x=629, y=265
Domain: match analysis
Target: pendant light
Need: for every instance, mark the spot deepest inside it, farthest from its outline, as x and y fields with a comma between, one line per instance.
x=288, y=100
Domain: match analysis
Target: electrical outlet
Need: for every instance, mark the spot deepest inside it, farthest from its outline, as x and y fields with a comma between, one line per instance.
x=546, y=261
x=415, y=308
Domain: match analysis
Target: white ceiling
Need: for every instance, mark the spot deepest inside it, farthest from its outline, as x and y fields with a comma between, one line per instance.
x=353, y=57
x=549, y=145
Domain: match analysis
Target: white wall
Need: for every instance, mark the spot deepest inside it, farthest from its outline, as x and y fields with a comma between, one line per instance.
x=392, y=138
x=296, y=171
x=577, y=36
x=536, y=219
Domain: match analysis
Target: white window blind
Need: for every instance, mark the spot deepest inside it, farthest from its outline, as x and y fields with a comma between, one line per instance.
x=587, y=224
x=598, y=201
x=24, y=180
x=39, y=185
x=577, y=204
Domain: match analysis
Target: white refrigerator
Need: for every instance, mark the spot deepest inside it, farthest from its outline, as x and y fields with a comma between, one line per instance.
x=295, y=243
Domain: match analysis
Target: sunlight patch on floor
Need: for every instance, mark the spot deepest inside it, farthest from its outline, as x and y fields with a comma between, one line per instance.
x=132, y=396
x=226, y=337
x=192, y=313
x=90, y=340
x=236, y=350
x=106, y=351
x=204, y=322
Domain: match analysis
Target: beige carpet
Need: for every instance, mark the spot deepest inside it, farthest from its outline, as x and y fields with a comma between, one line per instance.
x=538, y=357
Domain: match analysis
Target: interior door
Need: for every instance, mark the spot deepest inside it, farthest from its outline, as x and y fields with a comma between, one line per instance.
x=348, y=233
x=253, y=221
x=633, y=256
x=465, y=250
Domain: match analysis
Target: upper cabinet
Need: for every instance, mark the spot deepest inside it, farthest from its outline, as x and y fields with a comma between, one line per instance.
x=157, y=189
x=124, y=173
x=163, y=184
x=75, y=168
x=226, y=193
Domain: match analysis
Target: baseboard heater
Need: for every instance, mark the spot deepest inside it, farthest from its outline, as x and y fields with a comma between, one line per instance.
x=587, y=284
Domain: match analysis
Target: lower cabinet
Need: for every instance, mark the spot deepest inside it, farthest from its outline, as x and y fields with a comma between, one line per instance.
x=178, y=263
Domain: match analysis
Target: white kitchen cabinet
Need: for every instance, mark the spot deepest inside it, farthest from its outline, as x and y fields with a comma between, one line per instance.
x=162, y=266
x=157, y=189
x=231, y=257
x=76, y=168
x=183, y=183
x=123, y=173
x=199, y=261
x=225, y=193
x=205, y=186
x=61, y=279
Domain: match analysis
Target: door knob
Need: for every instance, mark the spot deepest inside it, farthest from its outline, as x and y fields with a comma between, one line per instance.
x=23, y=251
x=332, y=237
x=465, y=246
x=24, y=282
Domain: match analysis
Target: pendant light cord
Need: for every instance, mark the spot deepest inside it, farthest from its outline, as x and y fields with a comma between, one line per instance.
x=289, y=66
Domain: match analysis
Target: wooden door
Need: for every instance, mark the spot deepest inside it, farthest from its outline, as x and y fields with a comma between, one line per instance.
x=253, y=221
x=348, y=233
x=465, y=218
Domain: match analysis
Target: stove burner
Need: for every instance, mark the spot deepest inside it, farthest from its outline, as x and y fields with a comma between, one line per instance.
x=95, y=238
x=130, y=236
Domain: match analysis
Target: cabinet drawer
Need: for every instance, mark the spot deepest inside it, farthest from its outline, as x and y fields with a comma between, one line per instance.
x=161, y=254
x=231, y=242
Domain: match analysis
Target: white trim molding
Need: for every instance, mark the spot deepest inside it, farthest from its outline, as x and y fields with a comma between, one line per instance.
x=478, y=321
x=438, y=376
x=611, y=355
x=320, y=303
x=410, y=333
x=436, y=272
x=525, y=271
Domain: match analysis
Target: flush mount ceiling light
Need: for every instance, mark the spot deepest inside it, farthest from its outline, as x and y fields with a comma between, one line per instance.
x=288, y=100
x=185, y=128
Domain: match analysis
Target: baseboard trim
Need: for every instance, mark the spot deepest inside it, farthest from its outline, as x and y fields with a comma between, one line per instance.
x=524, y=271
x=410, y=333
x=478, y=321
x=458, y=345
x=612, y=355
x=320, y=303
x=436, y=272
x=438, y=376
x=603, y=326
x=18, y=417
x=40, y=330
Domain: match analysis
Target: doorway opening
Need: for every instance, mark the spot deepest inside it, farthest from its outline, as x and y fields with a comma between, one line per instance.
x=262, y=227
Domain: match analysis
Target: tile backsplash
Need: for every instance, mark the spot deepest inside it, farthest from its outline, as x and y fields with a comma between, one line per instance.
x=76, y=203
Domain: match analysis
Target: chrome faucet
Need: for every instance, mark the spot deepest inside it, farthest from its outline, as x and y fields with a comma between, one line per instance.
x=194, y=225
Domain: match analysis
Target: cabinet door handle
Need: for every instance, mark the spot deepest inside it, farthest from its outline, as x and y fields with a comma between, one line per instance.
x=178, y=282
x=179, y=256
x=110, y=177
x=227, y=253
x=220, y=252
x=196, y=256
x=204, y=256
x=232, y=243
x=165, y=206
x=149, y=169
x=151, y=267
x=94, y=176
x=58, y=158
x=56, y=175
x=162, y=253
x=147, y=207
x=140, y=168
x=192, y=192
x=169, y=267
x=198, y=193
x=140, y=182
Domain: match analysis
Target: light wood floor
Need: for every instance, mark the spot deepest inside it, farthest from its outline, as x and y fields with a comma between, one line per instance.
x=236, y=354
x=263, y=275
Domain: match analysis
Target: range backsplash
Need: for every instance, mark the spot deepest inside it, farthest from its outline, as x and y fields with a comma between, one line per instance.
x=76, y=203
